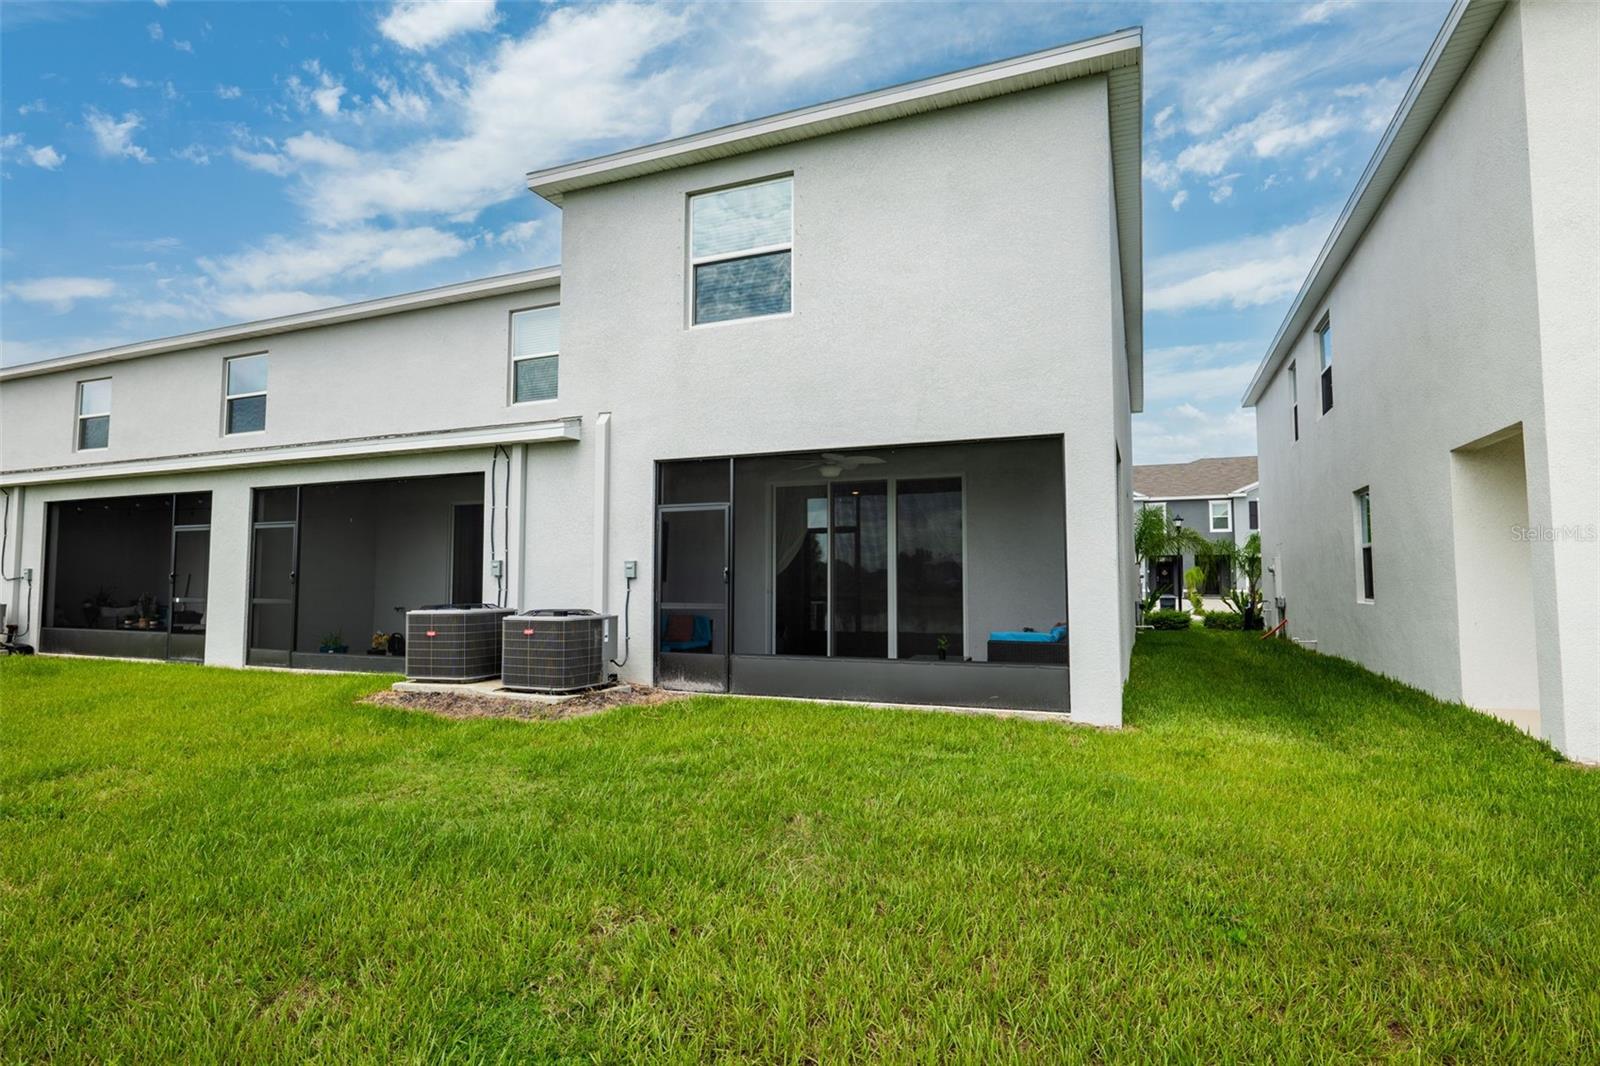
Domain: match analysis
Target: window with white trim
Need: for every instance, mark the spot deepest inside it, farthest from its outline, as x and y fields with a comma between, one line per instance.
x=1222, y=516
x=1364, y=541
x=94, y=415
x=1325, y=361
x=740, y=244
x=535, y=354
x=245, y=394
x=1294, y=402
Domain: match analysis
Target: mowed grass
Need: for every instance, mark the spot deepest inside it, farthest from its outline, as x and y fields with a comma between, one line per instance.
x=1282, y=858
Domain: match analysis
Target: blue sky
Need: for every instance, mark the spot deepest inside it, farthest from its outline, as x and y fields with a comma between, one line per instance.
x=165, y=167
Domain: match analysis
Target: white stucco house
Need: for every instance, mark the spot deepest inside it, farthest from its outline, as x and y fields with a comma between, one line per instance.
x=1426, y=414
x=1218, y=498
x=818, y=404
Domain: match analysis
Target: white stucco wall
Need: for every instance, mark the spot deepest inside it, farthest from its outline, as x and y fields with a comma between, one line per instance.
x=432, y=369
x=1437, y=323
x=931, y=303
x=955, y=278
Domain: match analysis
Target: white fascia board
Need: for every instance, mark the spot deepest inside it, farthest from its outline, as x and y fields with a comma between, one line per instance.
x=1094, y=56
x=558, y=429
x=476, y=289
x=1464, y=29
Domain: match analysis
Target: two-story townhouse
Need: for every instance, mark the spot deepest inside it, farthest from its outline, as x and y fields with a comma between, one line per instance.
x=815, y=404
x=1426, y=412
x=1216, y=498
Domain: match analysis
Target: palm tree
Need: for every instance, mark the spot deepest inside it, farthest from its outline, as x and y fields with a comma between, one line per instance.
x=1155, y=536
x=1245, y=561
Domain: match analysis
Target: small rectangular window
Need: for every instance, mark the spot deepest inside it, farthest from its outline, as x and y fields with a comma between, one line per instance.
x=1221, y=516
x=1325, y=360
x=246, y=394
x=94, y=414
x=1255, y=515
x=535, y=354
x=740, y=244
x=1294, y=401
x=1364, y=541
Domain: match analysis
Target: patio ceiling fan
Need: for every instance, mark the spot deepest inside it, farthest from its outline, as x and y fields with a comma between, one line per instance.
x=832, y=464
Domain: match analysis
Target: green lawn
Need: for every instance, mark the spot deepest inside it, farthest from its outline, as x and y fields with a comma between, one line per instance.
x=1283, y=857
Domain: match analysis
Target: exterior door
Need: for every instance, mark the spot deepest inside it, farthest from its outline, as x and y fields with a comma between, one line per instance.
x=274, y=562
x=188, y=577
x=693, y=578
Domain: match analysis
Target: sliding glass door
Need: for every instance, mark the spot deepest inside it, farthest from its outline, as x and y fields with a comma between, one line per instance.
x=869, y=569
x=930, y=568
x=860, y=540
x=800, y=588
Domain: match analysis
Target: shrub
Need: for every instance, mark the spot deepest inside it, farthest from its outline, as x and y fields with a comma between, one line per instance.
x=1224, y=620
x=1168, y=619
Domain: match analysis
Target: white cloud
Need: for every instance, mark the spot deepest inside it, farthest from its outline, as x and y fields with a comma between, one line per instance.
x=27, y=109
x=1180, y=198
x=1198, y=373
x=319, y=150
x=1244, y=272
x=421, y=24
x=249, y=306
x=128, y=81
x=583, y=66
x=195, y=154
x=115, y=139
x=60, y=293
x=155, y=31
x=46, y=158
x=1185, y=431
x=267, y=162
x=281, y=263
x=799, y=39
x=322, y=94
x=1213, y=94
x=1222, y=188
x=229, y=92
x=517, y=235
x=1323, y=11
x=183, y=46
x=162, y=3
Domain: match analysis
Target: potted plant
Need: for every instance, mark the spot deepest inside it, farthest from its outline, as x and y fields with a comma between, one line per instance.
x=944, y=647
x=333, y=644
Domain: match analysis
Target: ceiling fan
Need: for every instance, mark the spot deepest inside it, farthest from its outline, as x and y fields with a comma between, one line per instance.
x=832, y=464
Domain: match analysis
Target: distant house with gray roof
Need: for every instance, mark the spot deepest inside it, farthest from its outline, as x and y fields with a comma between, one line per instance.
x=1217, y=498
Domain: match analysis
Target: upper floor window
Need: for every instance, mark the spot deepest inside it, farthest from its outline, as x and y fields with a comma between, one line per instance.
x=94, y=414
x=1325, y=360
x=245, y=394
x=1364, y=540
x=740, y=241
x=535, y=354
x=1255, y=515
x=1294, y=402
x=1222, y=516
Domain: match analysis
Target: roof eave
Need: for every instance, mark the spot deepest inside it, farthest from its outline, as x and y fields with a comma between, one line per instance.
x=459, y=292
x=1464, y=29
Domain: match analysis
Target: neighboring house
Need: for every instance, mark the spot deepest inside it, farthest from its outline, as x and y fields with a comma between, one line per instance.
x=1216, y=498
x=813, y=402
x=1426, y=415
